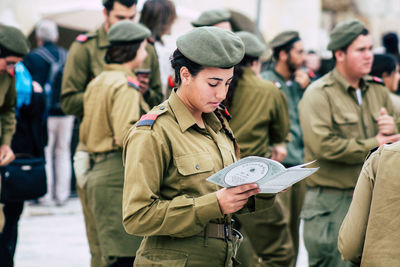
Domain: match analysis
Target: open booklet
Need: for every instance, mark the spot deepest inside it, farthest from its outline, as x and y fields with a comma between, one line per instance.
x=270, y=175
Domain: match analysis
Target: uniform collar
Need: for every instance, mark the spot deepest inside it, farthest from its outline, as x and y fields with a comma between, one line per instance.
x=119, y=67
x=185, y=118
x=344, y=84
x=248, y=71
x=103, y=40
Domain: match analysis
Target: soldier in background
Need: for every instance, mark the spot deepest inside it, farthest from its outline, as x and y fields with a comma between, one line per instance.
x=84, y=62
x=343, y=116
x=287, y=74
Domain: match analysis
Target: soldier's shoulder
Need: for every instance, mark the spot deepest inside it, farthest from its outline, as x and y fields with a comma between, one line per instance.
x=374, y=80
x=153, y=117
x=86, y=37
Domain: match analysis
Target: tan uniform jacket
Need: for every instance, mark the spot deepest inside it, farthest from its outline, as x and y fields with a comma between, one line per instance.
x=111, y=107
x=371, y=226
x=86, y=60
x=338, y=132
x=259, y=115
x=8, y=98
x=166, y=164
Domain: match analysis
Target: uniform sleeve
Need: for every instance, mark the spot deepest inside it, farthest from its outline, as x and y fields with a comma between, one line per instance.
x=125, y=112
x=319, y=136
x=280, y=123
x=7, y=115
x=352, y=232
x=145, y=212
x=154, y=95
x=76, y=76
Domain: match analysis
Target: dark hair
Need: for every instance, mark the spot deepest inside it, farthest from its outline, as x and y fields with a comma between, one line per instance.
x=178, y=60
x=122, y=52
x=109, y=5
x=344, y=48
x=4, y=52
x=383, y=64
x=391, y=43
x=158, y=15
x=286, y=47
x=237, y=74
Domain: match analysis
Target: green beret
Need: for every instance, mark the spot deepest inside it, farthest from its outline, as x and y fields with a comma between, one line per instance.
x=212, y=17
x=127, y=31
x=344, y=34
x=211, y=47
x=284, y=38
x=14, y=40
x=252, y=44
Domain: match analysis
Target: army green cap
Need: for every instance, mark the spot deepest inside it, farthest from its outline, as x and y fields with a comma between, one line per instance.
x=14, y=40
x=211, y=47
x=252, y=44
x=344, y=34
x=284, y=38
x=127, y=31
x=212, y=17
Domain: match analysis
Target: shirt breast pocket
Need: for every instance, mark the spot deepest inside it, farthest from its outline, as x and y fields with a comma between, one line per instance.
x=347, y=124
x=194, y=164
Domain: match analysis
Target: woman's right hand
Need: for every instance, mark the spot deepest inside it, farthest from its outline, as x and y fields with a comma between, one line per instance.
x=233, y=199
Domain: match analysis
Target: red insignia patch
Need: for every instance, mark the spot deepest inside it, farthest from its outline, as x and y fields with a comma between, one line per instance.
x=82, y=38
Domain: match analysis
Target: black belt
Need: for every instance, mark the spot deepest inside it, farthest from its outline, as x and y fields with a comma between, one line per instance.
x=100, y=156
x=217, y=230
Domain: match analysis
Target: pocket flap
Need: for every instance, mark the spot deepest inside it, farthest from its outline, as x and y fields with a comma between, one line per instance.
x=194, y=163
x=345, y=117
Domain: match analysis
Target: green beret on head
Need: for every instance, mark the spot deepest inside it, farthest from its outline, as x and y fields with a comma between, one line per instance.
x=127, y=31
x=14, y=40
x=211, y=47
x=284, y=38
x=344, y=34
x=252, y=44
x=212, y=17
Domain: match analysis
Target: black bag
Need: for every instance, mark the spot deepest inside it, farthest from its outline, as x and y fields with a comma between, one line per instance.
x=23, y=179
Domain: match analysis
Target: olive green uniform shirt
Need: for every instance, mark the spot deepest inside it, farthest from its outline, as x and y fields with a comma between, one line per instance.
x=370, y=231
x=338, y=132
x=111, y=107
x=86, y=60
x=259, y=115
x=293, y=93
x=166, y=164
x=8, y=99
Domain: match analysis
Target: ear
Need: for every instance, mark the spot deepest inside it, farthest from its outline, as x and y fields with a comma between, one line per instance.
x=105, y=13
x=185, y=75
x=283, y=56
x=340, y=55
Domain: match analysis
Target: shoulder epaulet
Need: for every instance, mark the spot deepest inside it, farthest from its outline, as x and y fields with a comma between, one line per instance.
x=133, y=82
x=151, y=40
x=149, y=118
x=82, y=38
x=376, y=80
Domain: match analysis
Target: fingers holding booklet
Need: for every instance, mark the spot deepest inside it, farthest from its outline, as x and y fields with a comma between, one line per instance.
x=271, y=176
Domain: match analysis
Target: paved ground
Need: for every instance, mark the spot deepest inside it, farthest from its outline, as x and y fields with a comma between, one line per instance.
x=55, y=237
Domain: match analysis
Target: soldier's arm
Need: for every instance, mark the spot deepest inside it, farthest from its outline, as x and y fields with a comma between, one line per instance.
x=319, y=136
x=7, y=115
x=75, y=79
x=353, y=229
x=280, y=124
x=145, y=213
x=154, y=95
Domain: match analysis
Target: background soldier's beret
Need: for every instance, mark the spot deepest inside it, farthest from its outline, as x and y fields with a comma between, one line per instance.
x=127, y=31
x=14, y=40
x=212, y=17
x=344, y=34
x=284, y=38
x=211, y=47
x=252, y=44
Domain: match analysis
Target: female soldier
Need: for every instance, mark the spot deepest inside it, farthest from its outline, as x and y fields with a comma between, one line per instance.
x=260, y=120
x=112, y=103
x=174, y=148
